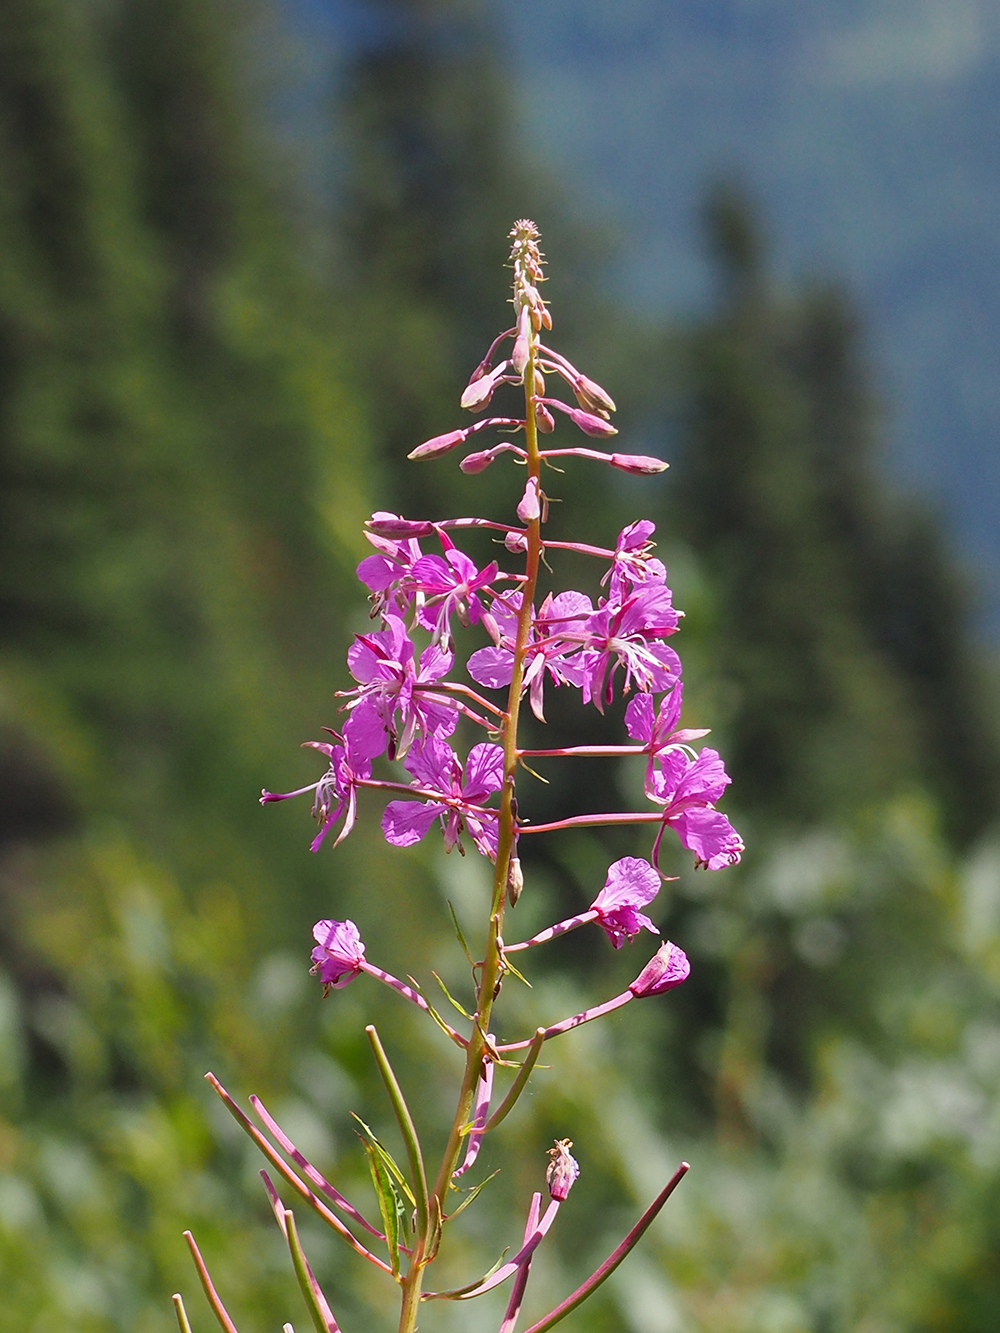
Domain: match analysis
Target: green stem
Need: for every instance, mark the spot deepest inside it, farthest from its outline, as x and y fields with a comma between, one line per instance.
x=491, y=972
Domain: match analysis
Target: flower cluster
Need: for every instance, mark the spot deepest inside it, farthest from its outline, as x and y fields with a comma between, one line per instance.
x=413, y=730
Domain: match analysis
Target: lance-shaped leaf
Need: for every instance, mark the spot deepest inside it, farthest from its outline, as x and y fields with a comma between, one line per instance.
x=390, y=1203
x=469, y=1198
x=299, y=1185
x=214, y=1300
x=387, y=1158
x=406, y=1128
x=459, y=935
x=451, y=999
x=614, y=1258
x=309, y=1171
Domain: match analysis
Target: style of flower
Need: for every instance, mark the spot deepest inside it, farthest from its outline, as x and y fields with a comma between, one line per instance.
x=688, y=789
x=439, y=770
x=667, y=968
x=339, y=954
x=632, y=883
x=336, y=792
x=389, y=708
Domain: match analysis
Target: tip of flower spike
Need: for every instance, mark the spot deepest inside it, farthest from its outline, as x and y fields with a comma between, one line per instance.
x=640, y=465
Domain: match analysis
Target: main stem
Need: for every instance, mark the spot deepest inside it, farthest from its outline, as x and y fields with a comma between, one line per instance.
x=491, y=973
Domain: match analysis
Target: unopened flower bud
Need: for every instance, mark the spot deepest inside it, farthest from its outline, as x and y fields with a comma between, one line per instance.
x=515, y=881
x=667, y=968
x=544, y=419
x=477, y=462
x=515, y=542
x=440, y=444
x=530, y=507
x=591, y=424
x=383, y=524
x=539, y=384
x=562, y=1171
x=640, y=465
x=478, y=392
x=592, y=397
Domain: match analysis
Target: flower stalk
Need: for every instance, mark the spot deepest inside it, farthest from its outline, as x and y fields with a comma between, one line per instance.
x=406, y=707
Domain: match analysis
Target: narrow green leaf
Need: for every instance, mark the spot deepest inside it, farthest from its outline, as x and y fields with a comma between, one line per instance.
x=509, y=967
x=461, y=937
x=390, y=1204
x=386, y=1156
x=407, y=1129
x=470, y=1196
x=451, y=999
x=457, y=1293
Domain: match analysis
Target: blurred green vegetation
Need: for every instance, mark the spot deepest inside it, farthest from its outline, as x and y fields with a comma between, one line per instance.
x=204, y=387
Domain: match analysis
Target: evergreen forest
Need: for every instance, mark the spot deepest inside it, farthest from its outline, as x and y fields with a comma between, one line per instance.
x=209, y=377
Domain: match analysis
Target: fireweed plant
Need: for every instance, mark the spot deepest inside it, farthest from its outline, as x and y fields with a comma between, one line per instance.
x=405, y=705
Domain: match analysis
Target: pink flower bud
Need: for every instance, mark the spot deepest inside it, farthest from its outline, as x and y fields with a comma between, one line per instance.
x=515, y=881
x=530, y=507
x=667, y=968
x=591, y=424
x=544, y=419
x=477, y=462
x=383, y=524
x=562, y=1171
x=439, y=445
x=591, y=396
x=539, y=384
x=515, y=542
x=640, y=465
x=479, y=391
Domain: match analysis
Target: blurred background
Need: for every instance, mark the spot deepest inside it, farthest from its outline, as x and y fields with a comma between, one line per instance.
x=249, y=254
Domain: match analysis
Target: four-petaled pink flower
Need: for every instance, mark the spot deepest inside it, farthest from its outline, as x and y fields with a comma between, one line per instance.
x=689, y=788
x=438, y=769
x=339, y=953
x=634, y=561
x=336, y=792
x=667, y=968
x=632, y=883
x=390, y=708
x=627, y=635
x=658, y=730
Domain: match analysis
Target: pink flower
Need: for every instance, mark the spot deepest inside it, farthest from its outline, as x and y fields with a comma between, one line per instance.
x=335, y=792
x=631, y=884
x=388, y=707
x=659, y=731
x=634, y=562
x=555, y=641
x=626, y=635
x=438, y=769
x=339, y=953
x=689, y=788
x=667, y=968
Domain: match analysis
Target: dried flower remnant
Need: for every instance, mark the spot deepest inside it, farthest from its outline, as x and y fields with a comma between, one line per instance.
x=413, y=734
